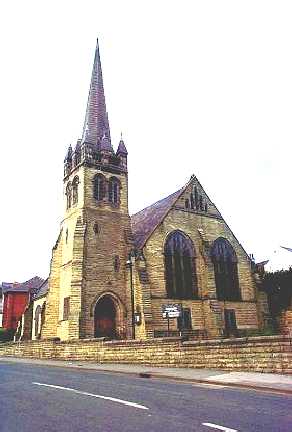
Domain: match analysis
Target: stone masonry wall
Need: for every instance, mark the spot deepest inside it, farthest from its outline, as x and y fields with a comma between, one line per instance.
x=257, y=354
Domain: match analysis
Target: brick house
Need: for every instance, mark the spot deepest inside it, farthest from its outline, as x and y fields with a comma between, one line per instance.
x=16, y=297
x=112, y=274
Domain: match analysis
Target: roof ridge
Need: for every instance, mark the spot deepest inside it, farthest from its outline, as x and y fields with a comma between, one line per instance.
x=156, y=202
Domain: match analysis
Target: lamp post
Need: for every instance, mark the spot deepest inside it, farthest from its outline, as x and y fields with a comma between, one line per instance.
x=129, y=264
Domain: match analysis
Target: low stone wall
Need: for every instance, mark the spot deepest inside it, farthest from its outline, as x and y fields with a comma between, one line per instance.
x=255, y=354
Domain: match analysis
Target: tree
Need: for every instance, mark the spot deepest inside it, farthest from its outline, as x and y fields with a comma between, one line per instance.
x=278, y=286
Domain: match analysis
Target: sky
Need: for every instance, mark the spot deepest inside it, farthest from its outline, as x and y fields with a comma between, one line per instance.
x=196, y=87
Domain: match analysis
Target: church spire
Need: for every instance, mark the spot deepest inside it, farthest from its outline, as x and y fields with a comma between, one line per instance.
x=96, y=125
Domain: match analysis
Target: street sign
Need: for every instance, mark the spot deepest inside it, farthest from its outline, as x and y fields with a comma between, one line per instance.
x=171, y=311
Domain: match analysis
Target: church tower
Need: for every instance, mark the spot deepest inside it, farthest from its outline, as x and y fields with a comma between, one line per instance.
x=89, y=286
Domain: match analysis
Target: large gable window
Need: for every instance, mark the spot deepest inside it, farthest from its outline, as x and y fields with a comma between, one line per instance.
x=225, y=268
x=180, y=268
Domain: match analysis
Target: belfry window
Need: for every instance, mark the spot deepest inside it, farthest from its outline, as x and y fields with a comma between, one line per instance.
x=225, y=268
x=69, y=195
x=75, y=184
x=99, y=187
x=180, y=269
x=113, y=190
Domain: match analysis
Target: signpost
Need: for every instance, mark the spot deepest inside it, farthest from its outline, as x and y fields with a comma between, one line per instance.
x=171, y=311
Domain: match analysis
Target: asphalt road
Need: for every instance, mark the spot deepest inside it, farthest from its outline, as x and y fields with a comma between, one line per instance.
x=42, y=398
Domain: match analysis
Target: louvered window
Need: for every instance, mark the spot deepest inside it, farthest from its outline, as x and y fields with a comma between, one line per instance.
x=69, y=195
x=99, y=187
x=114, y=190
x=75, y=184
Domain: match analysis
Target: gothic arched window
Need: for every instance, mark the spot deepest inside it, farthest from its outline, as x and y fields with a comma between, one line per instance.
x=69, y=195
x=99, y=187
x=225, y=268
x=180, y=269
x=114, y=190
x=75, y=184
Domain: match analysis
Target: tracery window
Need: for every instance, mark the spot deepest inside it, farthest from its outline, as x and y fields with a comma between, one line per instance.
x=75, y=184
x=225, y=268
x=114, y=190
x=180, y=269
x=99, y=187
x=69, y=195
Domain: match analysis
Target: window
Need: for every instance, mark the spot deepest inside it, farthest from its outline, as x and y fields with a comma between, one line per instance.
x=116, y=263
x=113, y=190
x=201, y=203
x=37, y=324
x=225, y=268
x=69, y=195
x=192, y=201
x=180, y=271
x=96, y=228
x=196, y=197
x=75, y=184
x=99, y=187
x=184, y=322
x=66, y=308
x=230, y=322
x=187, y=204
x=66, y=237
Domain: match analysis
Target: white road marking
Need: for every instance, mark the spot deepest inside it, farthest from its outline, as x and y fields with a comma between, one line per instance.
x=121, y=401
x=213, y=386
x=223, y=428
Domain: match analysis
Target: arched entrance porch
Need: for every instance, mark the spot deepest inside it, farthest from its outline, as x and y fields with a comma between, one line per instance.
x=109, y=318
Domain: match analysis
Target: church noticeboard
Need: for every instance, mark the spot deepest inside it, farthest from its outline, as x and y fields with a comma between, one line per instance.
x=171, y=310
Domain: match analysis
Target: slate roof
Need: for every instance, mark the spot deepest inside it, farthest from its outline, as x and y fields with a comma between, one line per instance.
x=30, y=285
x=145, y=221
x=42, y=290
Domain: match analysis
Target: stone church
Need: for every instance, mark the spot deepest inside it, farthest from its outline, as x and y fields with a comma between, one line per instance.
x=113, y=275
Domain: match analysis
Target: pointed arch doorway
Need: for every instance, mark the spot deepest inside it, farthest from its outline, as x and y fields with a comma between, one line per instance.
x=105, y=318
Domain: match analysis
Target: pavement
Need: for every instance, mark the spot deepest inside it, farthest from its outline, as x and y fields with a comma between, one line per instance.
x=279, y=383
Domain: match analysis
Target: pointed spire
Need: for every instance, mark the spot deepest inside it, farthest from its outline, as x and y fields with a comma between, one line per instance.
x=122, y=148
x=68, y=156
x=96, y=124
x=106, y=143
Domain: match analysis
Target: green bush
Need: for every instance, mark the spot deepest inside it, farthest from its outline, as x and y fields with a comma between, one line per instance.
x=268, y=331
x=6, y=335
